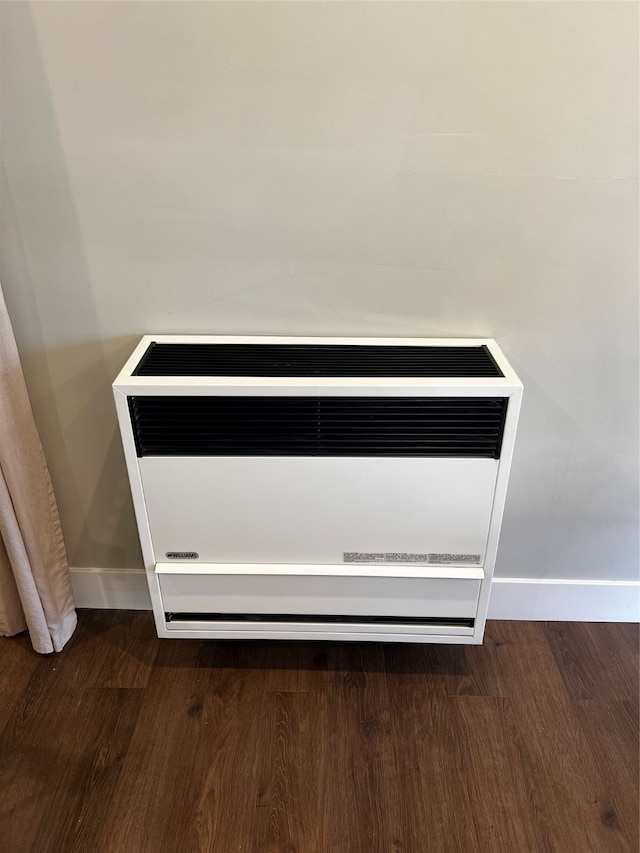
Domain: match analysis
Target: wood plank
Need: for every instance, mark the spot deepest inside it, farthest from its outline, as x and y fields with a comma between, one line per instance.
x=292, y=782
x=54, y=746
x=440, y=668
x=277, y=666
x=572, y=801
x=498, y=788
x=164, y=766
x=591, y=658
x=611, y=731
x=431, y=799
x=483, y=661
x=224, y=807
x=130, y=645
x=363, y=787
x=17, y=663
x=31, y=744
x=81, y=781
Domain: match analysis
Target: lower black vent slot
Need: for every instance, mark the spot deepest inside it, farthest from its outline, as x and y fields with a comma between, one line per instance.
x=275, y=618
x=318, y=426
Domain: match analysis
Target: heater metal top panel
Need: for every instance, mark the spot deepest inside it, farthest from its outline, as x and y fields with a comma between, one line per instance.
x=292, y=359
x=200, y=364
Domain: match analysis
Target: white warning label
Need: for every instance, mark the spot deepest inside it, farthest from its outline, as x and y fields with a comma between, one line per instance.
x=403, y=557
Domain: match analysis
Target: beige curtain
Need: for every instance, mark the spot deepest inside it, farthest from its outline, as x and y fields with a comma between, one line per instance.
x=35, y=588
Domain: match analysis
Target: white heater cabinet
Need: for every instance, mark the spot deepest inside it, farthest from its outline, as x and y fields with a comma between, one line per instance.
x=318, y=488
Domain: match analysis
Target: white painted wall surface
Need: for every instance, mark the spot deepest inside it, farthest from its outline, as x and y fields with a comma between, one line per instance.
x=430, y=168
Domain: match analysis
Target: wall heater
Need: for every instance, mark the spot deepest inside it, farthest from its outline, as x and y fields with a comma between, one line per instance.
x=318, y=488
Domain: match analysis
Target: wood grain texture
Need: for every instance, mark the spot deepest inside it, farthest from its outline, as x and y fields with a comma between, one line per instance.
x=499, y=790
x=597, y=661
x=362, y=781
x=566, y=784
x=528, y=744
x=17, y=663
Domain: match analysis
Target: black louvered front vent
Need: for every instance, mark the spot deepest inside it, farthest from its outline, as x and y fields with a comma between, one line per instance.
x=288, y=618
x=316, y=360
x=318, y=426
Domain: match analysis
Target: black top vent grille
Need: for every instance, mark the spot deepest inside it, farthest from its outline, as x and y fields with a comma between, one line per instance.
x=318, y=426
x=316, y=360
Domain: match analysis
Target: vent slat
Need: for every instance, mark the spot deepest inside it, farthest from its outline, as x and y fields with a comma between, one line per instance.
x=330, y=360
x=317, y=426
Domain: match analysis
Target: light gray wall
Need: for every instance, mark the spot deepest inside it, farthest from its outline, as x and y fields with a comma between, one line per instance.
x=441, y=168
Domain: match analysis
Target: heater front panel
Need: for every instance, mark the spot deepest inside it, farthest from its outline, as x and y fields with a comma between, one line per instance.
x=319, y=509
x=188, y=597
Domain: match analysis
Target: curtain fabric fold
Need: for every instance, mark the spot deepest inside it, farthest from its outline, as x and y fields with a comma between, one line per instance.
x=35, y=586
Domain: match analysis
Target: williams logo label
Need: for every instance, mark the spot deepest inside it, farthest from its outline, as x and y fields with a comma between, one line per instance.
x=182, y=555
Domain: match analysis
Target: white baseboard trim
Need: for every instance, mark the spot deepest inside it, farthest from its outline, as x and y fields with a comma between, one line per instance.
x=111, y=589
x=563, y=600
x=511, y=598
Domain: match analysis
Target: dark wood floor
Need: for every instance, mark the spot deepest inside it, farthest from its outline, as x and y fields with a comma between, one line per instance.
x=125, y=743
